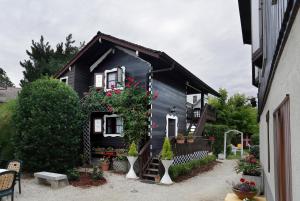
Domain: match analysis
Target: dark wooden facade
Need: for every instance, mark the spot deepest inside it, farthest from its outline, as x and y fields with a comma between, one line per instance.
x=155, y=69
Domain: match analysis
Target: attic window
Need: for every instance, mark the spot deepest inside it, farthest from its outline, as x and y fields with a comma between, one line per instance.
x=64, y=79
x=115, y=78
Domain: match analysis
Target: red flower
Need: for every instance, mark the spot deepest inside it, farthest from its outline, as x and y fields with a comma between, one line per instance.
x=109, y=94
x=136, y=84
x=242, y=180
x=247, y=182
x=130, y=79
x=252, y=183
x=117, y=91
x=110, y=108
x=253, y=160
x=128, y=85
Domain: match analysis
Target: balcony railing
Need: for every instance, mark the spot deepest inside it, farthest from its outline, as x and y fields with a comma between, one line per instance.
x=199, y=144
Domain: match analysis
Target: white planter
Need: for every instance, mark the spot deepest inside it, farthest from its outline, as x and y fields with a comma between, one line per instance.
x=166, y=178
x=131, y=174
x=258, y=181
x=221, y=156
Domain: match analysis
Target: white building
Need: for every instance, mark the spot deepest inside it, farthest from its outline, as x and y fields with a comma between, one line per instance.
x=272, y=27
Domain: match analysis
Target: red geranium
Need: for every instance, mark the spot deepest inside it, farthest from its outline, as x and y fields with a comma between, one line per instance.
x=117, y=91
x=252, y=183
x=130, y=79
x=109, y=94
x=242, y=180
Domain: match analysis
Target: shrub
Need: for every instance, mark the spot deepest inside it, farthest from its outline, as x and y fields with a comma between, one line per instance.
x=185, y=168
x=97, y=174
x=73, y=174
x=7, y=130
x=166, y=153
x=48, y=126
x=255, y=139
x=254, y=150
x=133, y=150
x=217, y=131
x=248, y=166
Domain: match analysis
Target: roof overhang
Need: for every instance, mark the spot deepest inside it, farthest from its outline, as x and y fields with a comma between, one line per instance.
x=245, y=16
x=155, y=54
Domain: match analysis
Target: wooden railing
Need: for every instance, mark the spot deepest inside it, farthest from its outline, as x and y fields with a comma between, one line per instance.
x=144, y=158
x=200, y=144
x=208, y=114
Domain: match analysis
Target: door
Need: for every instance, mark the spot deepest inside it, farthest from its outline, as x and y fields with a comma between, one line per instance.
x=171, y=127
x=282, y=143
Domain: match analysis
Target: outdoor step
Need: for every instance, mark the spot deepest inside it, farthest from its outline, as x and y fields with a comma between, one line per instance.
x=149, y=175
x=152, y=169
x=154, y=164
x=147, y=181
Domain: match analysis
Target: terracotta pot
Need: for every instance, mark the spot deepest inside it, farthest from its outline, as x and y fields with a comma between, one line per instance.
x=180, y=141
x=243, y=195
x=190, y=141
x=105, y=166
x=258, y=181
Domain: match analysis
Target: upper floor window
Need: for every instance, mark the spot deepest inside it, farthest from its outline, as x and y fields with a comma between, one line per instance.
x=115, y=78
x=64, y=79
x=98, y=80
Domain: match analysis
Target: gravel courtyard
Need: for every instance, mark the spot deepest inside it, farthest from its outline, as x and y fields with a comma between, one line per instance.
x=210, y=186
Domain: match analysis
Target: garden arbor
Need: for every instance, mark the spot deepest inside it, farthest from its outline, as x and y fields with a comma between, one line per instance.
x=225, y=139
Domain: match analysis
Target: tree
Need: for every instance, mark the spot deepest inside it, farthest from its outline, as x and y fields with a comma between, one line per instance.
x=48, y=126
x=4, y=79
x=45, y=61
x=235, y=112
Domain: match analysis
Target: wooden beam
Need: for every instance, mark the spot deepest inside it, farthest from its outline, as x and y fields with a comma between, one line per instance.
x=100, y=59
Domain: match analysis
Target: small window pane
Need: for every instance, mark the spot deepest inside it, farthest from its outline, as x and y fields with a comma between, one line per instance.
x=111, y=80
x=98, y=125
x=99, y=80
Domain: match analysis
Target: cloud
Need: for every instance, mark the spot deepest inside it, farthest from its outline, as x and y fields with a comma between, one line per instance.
x=204, y=36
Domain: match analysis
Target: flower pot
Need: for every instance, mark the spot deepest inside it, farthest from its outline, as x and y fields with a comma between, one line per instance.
x=190, y=141
x=243, y=195
x=105, y=166
x=166, y=178
x=258, y=181
x=180, y=141
x=120, y=165
x=131, y=174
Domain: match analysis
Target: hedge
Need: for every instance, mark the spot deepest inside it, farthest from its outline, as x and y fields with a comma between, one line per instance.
x=49, y=124
x=7, y=130
x=185, y=168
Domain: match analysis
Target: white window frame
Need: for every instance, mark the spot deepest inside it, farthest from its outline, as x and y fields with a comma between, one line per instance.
x=170, y=116
x=104, y=125
x=66, y=78
x=110, y=71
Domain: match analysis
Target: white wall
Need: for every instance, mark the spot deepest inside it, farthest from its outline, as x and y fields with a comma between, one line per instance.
x=286, y=81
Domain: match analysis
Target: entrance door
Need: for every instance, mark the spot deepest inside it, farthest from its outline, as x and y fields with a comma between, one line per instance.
x=283, y=151
x=171, y=127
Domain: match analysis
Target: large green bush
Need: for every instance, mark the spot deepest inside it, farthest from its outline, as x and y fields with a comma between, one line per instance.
x=48, y=124
x=217, y=132
x=6, y=130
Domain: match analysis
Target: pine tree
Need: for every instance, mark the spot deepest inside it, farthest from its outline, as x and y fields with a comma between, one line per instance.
x=44, y=60
x=4, y=80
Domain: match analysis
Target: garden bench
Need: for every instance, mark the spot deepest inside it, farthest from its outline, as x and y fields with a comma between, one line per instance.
x=56, y=180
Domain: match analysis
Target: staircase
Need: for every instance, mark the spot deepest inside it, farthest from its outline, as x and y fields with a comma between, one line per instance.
x=208, y=114
x=151, y=171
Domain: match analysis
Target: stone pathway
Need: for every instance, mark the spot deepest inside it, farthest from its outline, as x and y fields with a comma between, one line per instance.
x=209, y=186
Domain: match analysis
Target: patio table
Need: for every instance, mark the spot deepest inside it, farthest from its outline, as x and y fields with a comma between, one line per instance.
x=2, y=170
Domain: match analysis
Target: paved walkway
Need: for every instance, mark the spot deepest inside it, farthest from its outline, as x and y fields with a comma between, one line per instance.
x=210, y=186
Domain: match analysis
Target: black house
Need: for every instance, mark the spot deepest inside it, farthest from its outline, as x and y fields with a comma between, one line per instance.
x=105, y=59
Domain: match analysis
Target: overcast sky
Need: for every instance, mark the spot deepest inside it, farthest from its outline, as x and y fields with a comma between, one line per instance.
x=204, y=36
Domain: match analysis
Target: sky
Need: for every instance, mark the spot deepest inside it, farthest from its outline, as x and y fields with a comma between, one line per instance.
x=203, y=36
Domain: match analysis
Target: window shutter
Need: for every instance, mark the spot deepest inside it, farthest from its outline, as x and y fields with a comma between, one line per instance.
x=99, y=80
x=120, y=75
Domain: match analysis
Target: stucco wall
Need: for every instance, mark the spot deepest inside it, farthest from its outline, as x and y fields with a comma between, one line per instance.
x=286, y=81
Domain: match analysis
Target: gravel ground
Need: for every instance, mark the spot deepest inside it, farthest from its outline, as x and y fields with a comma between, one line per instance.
x=209, y=186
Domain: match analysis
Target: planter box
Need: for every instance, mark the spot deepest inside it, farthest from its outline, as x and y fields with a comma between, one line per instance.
x=258, y=180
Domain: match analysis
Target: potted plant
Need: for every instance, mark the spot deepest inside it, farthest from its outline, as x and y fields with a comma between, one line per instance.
x=132, y=157
x=190, y=138
x=251, y=170
x=105, y=164
x=245, y=189
x=167, y=160
x=120, y=164
x=180, y=138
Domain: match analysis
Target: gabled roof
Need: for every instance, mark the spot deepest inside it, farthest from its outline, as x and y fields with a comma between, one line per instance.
x=245, y=16
x=195, y=81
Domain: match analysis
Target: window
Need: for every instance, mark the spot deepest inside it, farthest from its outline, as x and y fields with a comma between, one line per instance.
x=115, y=78
x=97, y=126
x=98, y=80
x=268, y=138
x=113, y=125
x=64, y=79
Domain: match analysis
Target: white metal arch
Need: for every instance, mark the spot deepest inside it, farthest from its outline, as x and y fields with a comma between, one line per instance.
x=242, y=141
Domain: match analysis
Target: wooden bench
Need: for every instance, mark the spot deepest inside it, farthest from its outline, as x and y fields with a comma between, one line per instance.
x=54, y=179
